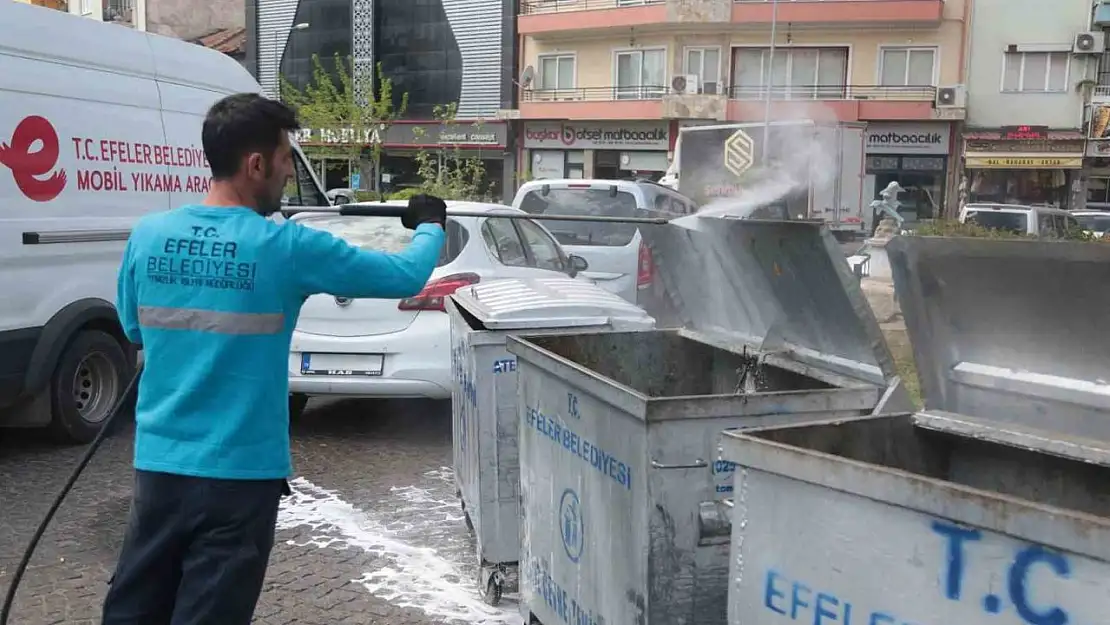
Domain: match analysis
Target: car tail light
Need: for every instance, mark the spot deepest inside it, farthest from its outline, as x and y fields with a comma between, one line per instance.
x=433, y=295
x=645, y=269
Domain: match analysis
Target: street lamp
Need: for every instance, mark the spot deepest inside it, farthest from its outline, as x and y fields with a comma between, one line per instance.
x=277, y=55
x=770, y=82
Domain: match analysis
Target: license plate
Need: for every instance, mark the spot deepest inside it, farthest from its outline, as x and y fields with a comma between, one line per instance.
x=342, y=364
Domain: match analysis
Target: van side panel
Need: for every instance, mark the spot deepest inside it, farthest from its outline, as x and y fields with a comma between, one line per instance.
x=82, y=149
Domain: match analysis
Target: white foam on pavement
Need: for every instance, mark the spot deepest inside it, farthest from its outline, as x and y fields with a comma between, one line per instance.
x=410, y=575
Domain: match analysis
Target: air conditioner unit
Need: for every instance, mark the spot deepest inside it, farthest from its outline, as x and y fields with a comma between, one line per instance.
x=685, y=84
x=951, y=97
x=1089, y=43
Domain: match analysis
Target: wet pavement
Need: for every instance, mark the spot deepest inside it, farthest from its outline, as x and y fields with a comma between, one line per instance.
x=372, y=534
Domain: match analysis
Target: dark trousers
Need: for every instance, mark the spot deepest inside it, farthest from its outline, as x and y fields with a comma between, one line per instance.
x=195, y=551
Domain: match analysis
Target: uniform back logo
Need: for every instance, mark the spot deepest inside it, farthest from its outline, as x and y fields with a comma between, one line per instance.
x=32, y=157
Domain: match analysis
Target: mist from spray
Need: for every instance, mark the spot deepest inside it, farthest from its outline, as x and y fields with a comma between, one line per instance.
x=801, y=155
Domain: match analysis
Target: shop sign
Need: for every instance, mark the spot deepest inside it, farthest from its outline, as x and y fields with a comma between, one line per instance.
x=598, y=136
x=1024, y=162
x=907, y=138
x=400, y=135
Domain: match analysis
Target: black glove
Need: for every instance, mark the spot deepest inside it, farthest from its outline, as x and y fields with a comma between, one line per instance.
x=424, y=209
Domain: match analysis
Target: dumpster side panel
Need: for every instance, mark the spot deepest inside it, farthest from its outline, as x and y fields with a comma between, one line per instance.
x=501, y=537
x=465, y=410
x=689, y=524
x=584, y=495
x=810, y=554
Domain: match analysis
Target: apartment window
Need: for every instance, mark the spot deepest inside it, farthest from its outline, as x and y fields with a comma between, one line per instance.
x=556, y=72
x=795, y=73
x=907, y=67
x=641, y=74
x=705, y=63
x=1035, y=72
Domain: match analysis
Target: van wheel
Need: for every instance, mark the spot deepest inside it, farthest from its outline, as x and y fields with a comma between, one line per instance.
x=297, y=403
x=86, y=385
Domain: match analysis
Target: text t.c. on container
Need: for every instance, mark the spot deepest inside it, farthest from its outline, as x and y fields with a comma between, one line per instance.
x=896, y=519
x=484, y=397
x=624, y=491
x=1009, y=330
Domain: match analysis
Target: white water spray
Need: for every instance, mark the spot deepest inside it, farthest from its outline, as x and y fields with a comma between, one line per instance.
x=803, y=155
x=410, y=575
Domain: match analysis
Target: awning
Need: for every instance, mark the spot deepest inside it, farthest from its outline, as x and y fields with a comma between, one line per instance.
x=1023, y=161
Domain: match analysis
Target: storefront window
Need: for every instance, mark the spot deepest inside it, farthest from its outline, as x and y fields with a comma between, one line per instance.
x=1098, y=192
x=921, y=177
x=1040, y=187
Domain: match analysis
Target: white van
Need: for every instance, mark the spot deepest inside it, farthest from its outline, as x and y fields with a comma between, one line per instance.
x=618, y=260
x=1038, y=221
x=99, y=124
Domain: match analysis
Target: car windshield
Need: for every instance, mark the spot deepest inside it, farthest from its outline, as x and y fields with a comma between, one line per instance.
x=998, y=220
x=382, y=234
x=583, y=201
x=1094, y=223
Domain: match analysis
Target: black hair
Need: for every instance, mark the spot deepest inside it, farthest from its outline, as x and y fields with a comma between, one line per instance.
x=240, y=124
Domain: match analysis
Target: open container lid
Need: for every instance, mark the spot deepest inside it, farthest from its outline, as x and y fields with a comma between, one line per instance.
x=1010, y=330
x=772, y=285
x=541, y=303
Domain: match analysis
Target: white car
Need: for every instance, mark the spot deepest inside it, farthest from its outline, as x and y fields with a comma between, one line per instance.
x=1095, y=222
x=401, y=348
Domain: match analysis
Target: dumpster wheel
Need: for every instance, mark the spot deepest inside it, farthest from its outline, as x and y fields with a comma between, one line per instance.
x=491, y=594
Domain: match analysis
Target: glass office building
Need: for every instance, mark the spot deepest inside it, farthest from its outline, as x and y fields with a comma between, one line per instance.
x=422, y=47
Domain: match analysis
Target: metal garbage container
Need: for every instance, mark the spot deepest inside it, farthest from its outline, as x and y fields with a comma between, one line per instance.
x=991, y=506
x=1009, y=330
x=484, y=406
x=929, y=519
x=624, y=492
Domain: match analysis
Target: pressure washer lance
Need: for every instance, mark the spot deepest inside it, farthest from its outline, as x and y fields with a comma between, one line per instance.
x=376, y=209
x=105, y=428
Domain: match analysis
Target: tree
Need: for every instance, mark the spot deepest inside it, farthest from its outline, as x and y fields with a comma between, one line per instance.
x=346, y=109
x=445, y=172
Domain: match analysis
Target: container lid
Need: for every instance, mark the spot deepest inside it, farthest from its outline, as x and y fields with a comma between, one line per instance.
x=1009, y=329
x=775, y=285
x=539, y=303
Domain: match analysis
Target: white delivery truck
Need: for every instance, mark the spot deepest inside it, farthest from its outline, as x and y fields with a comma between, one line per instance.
x=813, y=170
x=99, y=124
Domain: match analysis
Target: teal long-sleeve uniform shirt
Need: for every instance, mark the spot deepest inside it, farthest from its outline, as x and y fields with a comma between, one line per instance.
x=212, y=294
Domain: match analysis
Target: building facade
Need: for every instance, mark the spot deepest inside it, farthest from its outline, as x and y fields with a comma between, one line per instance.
x=607, y=83
x=1030, y=64
x=438, y=52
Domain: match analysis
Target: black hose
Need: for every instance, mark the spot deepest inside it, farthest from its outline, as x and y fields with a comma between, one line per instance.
x=9, y=600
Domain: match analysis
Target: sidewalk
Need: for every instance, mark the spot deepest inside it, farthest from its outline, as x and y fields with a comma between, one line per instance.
x=880, y=294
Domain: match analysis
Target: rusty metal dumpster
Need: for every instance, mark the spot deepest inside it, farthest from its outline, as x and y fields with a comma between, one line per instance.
x=484, y=406
x=624, y=493
x=926, y=519
x=991, y=507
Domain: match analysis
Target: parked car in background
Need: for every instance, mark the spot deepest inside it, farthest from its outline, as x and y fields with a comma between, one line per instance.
x=1040, y=221
x=341, y=196
x=1095, y=222
x=401, y=348
x=619, y=260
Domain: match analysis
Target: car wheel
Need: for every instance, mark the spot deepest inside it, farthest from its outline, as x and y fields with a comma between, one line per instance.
x=87, y=383
x=297, y=403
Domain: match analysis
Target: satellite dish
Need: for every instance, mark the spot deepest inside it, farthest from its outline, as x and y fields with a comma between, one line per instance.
x=527, y=76
x=679, y=84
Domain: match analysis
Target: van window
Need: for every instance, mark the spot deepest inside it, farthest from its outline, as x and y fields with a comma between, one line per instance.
x=302, y=190
x=998, y=220
x=384, y=234
x=584, y=201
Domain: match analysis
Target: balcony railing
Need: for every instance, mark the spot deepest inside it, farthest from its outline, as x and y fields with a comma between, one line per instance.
x=1101, y=91
x=563, y=6
x=909, y=93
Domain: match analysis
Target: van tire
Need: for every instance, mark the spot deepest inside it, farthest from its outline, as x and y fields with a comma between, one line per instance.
x=86, y=385
x=297, y=403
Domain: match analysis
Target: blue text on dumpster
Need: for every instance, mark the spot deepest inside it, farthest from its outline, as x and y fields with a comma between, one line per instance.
x=506, y=365
x=566, y=438
x=1029, y=562
x=466, y=387
x=558, y=600
x=802, y=602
